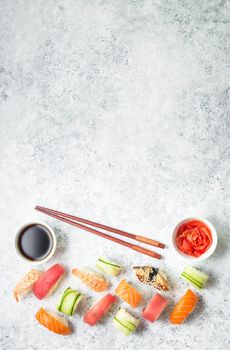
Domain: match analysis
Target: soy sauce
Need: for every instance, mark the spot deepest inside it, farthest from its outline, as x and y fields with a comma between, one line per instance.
x=35, y=242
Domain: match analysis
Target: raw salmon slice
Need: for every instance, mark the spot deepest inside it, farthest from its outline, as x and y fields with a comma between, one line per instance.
x=128, y=293
x=184, y=307
x=54, y=322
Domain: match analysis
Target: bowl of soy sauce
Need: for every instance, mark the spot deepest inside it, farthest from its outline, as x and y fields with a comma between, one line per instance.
x=35, y=242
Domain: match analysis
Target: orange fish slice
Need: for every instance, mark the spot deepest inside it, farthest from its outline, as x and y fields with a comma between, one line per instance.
x=128, y=293
x=184, y=307
x=92, y=279
x=54, y=322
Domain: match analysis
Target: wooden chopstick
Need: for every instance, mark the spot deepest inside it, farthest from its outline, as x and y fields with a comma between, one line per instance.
x=104, y=227
x=137, y=248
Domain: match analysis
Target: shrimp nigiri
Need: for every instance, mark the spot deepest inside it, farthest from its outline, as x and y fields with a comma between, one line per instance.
x=92, y=279
x=184, y=307
x=26, y=283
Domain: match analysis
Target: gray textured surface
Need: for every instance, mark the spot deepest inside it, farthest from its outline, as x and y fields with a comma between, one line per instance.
x=117, y=111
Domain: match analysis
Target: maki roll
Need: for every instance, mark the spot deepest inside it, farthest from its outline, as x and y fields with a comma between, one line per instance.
x=68, y=301
x=108, y=267
x=125, y=322
x=195, y=277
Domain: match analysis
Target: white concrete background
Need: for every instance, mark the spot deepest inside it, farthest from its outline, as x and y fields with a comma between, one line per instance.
x=117, y=111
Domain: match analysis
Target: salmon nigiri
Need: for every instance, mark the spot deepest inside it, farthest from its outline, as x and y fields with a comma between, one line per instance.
x=54, y=322
x=128, y=293
x=184, y=307
x=92, y=279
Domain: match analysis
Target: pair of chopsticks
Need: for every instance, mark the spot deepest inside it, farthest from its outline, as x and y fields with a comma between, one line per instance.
x=75, y=221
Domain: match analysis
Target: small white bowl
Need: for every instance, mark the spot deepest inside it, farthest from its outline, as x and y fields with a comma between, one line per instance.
x=51, y=253
x=210, y=250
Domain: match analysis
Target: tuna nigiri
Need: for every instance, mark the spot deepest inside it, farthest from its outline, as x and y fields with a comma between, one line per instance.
x=128, y=293
x=26, y=283
x=96, y=312
x=184, y=307
x=92, y=279
x=48, y=281
x=154, y=308
x=54, y=322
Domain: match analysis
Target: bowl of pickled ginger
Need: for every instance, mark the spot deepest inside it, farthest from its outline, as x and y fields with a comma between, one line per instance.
x=194, y=238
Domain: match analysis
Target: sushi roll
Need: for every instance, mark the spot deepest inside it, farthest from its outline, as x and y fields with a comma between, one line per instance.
x=152, y=276
x=92, y=279
x=108, y=267
x=125, y=323
x=52, y=321
x=97, y=311
x=195, y=277
x=48, y=281
x=69, y=301
x=128, y=293
x=25, y=284
x=154, y=308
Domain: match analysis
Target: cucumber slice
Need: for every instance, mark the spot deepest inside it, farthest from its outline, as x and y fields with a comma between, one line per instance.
x=196, y=274
x=195, y=277
x=68, y=301
x=125, y=322
x=119, y=326
x=108, y=267
x=62, y=297
x=125, y=315
x=77, y=301
x=190, y=280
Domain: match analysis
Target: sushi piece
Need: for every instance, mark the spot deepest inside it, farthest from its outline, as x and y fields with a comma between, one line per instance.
x=154, y=308
x=125, y=322
x=92, y=279
x=152, y=276
x=108, y=267
x=96, y=312
x=54, y=322
x=68, y=301
x=25, y=284
x=48, y=282
x=197, y=278
x=128, y=293
x=184, y=307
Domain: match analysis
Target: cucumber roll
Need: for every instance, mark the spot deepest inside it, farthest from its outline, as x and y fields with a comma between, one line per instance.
x=125, y=322
x=68, y=301
x=195, y=277
x=108, y=267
